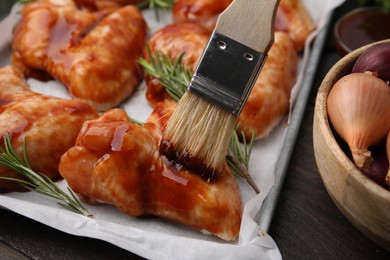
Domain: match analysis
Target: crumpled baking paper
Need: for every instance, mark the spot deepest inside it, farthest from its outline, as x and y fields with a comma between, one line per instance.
x=158, y=238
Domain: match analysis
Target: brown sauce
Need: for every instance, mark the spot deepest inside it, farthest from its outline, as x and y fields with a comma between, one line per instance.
x=60, y=37
x=117, y=141
x=170, y=171
x=362, y=27
x=185, y=159
x=66, y=34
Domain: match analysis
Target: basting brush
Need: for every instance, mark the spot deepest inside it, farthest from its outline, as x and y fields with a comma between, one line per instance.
x=197, y=134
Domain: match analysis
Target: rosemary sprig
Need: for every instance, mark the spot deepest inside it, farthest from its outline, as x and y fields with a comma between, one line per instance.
x=238, y=157
x=38, y=182
x=172, y=75
x=383, y=3
x=156, y=4
x=24, y=2
x=135, y=121
x=175, y=77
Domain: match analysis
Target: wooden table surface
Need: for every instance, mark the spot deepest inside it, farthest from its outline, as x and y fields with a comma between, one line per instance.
x=306, y=224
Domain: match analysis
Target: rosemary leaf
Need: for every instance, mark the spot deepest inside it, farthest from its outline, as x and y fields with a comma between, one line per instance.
x=172, y=75
x=152, y=4
x=135, y=121
x=36, y=181
x=156, y=4
x=175, y=77
x=21, y=182
x=24, y=2
x=238, y=157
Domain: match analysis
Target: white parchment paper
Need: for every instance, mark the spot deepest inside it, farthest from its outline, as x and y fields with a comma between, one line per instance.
x=157, y=238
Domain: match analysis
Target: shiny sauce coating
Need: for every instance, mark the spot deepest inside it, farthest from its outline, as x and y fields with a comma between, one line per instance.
x=49, y=125
x=118, y=162
x=93, y=54
x=188, y=161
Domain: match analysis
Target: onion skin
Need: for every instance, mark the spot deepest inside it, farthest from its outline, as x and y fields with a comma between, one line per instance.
x=378, y=170
x=375, y=59
x=359, y=110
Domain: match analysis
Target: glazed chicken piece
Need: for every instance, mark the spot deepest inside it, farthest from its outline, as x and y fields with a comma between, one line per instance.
x=173, y=40
x=203, y=12
x=32, y=35
x=49, y=125
x=118, y=162
x=292, y=17
x=93, y=54
x=107, y=5
x=269, y=99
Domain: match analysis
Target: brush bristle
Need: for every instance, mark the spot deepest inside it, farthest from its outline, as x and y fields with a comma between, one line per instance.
x=201, y=129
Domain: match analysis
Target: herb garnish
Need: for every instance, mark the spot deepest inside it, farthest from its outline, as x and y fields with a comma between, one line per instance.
x=156, y=4
x=175, y=77
x=24, y=2
x=172, y=75
x=37, y=182
x=238, y=157
x=384, y=3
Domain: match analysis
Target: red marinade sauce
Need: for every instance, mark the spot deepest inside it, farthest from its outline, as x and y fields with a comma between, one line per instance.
x=362, y=27
x=191, y=163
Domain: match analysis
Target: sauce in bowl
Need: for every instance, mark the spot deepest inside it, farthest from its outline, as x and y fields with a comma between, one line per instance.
x=360, y=27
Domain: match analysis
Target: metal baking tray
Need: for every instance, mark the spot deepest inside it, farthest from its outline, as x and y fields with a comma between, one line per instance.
x=265, y=215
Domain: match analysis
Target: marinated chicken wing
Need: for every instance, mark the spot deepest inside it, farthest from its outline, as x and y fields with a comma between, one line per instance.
x=174, y=40
x=118, y=162
x=93, y=54
x=203, y=12
x=49, y=125
x=108, y=5
x=32, y=35
x=269, y=99
x=292, y=17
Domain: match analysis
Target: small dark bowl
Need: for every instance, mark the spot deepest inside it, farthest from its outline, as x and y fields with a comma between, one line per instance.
x=360, y=27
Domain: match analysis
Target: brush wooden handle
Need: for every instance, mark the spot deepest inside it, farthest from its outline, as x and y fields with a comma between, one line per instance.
x=250, y=22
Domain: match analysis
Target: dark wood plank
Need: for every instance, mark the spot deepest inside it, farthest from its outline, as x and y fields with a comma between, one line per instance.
x=307, y=224
x=9, y=253
x=33, y=239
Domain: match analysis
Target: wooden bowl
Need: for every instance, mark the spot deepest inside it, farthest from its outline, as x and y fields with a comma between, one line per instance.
x=363, y=202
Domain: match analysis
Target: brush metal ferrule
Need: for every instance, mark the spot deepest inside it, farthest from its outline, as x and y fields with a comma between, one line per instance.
x=226, y=73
